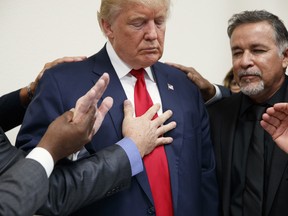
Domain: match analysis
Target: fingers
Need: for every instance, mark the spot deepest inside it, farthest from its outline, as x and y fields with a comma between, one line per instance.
x=128, y=109
x=68, y=115
x=95, y=93
x=89, y=118
x=165, y=128
x=163, y=141
x=150, y=113
x=101, y=113
x=58, y=61
x=272, y=116
x=92, y=97
x=105, y=106
x=68, y=59
x=281, y=107
x=163, y=117
x=179, y=66
x=62, y=60
x=162, y=129
x=268, y=127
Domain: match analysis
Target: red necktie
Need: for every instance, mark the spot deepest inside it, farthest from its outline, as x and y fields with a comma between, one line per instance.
x=156, y=162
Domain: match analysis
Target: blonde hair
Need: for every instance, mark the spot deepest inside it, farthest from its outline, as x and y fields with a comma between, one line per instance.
x=228, y=79
x=110, y=9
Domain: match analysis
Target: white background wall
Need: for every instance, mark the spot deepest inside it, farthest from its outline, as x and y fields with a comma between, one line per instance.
x=33, y=32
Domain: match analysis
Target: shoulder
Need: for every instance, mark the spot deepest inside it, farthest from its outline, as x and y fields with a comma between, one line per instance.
x=175, y=75
x=226, y=103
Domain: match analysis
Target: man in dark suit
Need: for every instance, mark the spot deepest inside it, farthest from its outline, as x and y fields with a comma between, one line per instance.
x=259, y=45
x=24, y=185
x=135, y=32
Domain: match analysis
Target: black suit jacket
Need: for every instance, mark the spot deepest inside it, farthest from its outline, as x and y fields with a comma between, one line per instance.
x=11, y=111
x=223, y=118
x=24, y=185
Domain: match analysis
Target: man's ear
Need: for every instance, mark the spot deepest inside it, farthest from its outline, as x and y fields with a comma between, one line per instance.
x=107, y=28
x=285, y=58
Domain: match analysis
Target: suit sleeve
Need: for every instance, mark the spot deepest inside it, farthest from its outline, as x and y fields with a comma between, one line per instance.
x=23, y=182
x=23, y=188
x=209, y=186
x=9, y=155
x=80, y=183
x=225, y=92
x=11, y=110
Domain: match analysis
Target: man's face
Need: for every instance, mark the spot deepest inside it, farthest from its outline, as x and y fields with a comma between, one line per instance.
x=137, y=35
x=257, y=64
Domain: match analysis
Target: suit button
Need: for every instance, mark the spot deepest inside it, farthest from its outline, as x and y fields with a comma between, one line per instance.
x=151, y=211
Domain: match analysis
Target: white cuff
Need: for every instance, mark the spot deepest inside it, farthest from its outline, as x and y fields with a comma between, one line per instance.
x=216, y=97
x=42, y=156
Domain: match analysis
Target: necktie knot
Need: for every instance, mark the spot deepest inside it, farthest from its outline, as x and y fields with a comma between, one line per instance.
x=139, y=74
x=156, y=164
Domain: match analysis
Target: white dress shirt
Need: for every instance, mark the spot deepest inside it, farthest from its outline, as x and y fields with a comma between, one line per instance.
x=128, y=81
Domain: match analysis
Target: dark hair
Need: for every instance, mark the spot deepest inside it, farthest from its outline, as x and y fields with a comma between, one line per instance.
x=228, y=78
x=281, y=34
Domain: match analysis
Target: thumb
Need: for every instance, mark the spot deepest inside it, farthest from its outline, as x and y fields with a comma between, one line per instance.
x=128, y=109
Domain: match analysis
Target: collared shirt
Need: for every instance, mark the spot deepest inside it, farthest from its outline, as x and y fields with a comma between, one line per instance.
x=128, y=81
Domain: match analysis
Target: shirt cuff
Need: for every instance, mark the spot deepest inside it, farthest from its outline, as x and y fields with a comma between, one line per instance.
x=216, y=97
x=43, y=157
x=133, y=154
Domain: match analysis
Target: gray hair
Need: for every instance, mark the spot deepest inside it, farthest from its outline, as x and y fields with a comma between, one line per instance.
x=280, y=31
x=110, y=9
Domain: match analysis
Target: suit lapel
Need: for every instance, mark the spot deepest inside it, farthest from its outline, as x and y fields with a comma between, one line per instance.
x=170, y=100
x=278, y=165
x=116, y=91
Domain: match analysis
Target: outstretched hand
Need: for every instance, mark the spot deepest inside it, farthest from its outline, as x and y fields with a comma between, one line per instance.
x=275, y=122
x=71, y=131
x=91, y=98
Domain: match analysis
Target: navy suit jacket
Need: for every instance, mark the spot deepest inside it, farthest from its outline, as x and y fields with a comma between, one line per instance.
x=190, y=157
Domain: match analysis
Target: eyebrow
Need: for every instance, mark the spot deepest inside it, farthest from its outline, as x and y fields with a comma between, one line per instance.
x=253, y=46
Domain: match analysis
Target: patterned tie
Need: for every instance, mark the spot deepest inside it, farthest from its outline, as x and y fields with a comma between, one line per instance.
x=156, y=162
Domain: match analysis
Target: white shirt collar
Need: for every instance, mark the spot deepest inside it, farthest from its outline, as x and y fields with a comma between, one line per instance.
x=121, y=68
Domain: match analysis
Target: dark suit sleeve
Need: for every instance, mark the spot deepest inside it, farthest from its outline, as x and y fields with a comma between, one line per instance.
x=224, y=91
x=209, y=186
x=11, y=110
x=23, y=182
x=9, y=155
x=80, y=183
x=23, y=188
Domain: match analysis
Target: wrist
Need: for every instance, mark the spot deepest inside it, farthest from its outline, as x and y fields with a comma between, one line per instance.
x=26, y=94
x=30, y=93
x=209, y=92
